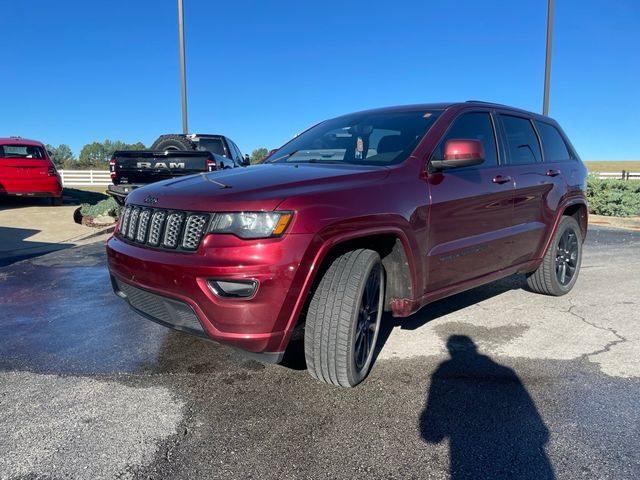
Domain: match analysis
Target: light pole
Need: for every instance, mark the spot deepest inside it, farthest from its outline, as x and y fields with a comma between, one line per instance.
x=183, y=69
x=547, y=65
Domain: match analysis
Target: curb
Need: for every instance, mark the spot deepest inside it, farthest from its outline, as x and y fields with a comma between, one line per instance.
x=102, y=231
x=625, y=223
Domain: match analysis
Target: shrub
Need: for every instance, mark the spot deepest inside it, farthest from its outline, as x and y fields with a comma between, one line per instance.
x=103, y=207
x=618, y=198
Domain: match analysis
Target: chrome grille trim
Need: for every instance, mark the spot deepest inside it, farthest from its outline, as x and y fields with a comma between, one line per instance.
x=143, y=224
x=157, y=222
x=193, y=231
x=133, y=223
x=173, y=229
x=163, y=229
x=124, y=221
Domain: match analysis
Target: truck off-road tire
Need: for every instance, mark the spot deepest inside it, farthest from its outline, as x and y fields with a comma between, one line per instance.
x=343, y=319
x=173, y=142
x=558, y=272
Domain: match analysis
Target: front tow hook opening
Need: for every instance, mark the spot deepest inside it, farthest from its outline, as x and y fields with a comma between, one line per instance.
x=233, y=288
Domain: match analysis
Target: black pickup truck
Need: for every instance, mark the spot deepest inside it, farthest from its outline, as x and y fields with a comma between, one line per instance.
x=171, y=156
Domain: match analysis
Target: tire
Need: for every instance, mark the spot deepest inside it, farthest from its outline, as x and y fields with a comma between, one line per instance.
x=56, y=201
x=558, y=272
x=173, y=142
x=343, y=319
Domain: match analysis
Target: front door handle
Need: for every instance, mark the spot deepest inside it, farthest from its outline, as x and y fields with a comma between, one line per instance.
x=553, y=173
x=501, y=179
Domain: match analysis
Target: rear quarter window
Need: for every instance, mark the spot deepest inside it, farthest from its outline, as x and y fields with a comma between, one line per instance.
x=553, y=145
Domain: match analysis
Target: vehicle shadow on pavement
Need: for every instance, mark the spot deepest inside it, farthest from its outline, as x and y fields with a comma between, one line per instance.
x=482, y=408
x=447, y=306
x=12, y=203
x=14, y=245
x=294, y=356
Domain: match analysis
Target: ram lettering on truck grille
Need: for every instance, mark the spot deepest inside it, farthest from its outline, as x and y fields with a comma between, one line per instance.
x=161, y=165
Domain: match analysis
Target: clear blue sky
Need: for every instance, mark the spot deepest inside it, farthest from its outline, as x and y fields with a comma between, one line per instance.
x=81, y=71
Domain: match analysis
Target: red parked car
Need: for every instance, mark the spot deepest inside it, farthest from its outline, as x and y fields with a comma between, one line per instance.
x=383, y=210
x=26, y=170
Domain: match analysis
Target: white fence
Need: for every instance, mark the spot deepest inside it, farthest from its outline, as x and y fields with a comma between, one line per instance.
x=624, y=175
x=82, y=178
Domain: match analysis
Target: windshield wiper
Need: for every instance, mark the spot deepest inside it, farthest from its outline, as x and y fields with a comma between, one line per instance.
x=320, y=160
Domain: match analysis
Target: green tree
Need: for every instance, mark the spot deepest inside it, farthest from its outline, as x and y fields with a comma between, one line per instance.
x=61, y=154
x=97, y=155
x=258, y=154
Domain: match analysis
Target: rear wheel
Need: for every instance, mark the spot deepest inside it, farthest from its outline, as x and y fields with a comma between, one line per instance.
x=343, y=319
x=561, y=264
x=173, y=142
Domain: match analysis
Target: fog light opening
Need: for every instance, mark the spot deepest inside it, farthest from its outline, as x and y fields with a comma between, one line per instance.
x=233, y=289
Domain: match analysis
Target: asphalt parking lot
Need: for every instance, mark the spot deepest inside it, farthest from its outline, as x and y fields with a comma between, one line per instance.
x=496, y=382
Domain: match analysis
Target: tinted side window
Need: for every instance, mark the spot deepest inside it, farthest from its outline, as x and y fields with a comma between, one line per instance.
x=237, y=150
x=472, y=126
x=522, y=142
x=553, y=145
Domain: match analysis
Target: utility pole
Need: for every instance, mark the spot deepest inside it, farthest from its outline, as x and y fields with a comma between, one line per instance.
x=547, y=65
x=183, y=69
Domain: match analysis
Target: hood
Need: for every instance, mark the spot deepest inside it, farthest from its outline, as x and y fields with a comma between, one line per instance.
x=259, y=187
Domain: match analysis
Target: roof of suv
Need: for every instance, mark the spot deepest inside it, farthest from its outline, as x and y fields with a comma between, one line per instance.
x=447, y=105
x=20, y=141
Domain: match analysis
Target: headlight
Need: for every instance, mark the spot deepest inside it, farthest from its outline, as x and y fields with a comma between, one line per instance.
x=251, y=224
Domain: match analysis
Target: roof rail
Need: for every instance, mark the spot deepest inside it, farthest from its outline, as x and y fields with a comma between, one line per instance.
x=481, y=101
x=15, y=136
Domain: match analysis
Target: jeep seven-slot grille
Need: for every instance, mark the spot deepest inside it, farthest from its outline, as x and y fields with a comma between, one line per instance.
x=158, y=228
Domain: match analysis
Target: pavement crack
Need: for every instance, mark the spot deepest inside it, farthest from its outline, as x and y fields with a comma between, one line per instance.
x=608, y=346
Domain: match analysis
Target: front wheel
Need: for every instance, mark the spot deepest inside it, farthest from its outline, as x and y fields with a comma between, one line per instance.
x=343, y=320
x=561, y=264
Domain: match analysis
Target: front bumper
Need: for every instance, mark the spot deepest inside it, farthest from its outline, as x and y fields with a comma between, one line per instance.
x=120, y=192
x=262, y=323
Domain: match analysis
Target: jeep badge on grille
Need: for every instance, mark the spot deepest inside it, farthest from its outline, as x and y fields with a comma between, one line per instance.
x=151, y=200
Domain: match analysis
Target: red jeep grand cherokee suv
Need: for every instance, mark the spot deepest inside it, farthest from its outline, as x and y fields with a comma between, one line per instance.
x=26, y=170
x=383, y=210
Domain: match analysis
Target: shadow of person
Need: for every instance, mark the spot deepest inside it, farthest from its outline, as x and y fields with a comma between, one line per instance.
x=482, y=407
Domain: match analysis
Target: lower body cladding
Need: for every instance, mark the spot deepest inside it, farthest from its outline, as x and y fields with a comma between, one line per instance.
x=245, y=294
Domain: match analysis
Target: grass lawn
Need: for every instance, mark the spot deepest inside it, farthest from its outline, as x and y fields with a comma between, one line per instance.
x=613, y=165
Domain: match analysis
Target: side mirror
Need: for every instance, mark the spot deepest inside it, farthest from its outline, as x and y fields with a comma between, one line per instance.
x=460, y=153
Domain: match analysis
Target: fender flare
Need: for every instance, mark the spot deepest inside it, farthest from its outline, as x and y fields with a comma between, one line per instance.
x=321, y=255
x=562, y=207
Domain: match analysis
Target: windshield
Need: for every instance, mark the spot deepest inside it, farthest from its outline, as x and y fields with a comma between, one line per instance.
x=360, y=138
x=21, y=151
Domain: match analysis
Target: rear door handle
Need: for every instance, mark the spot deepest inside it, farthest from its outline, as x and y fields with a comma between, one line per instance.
x=501, y=179
x=553, y=173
